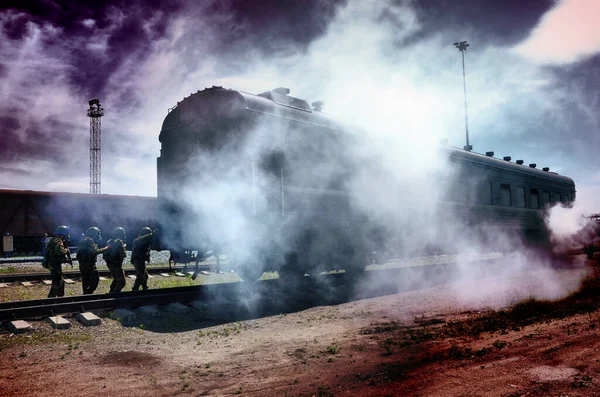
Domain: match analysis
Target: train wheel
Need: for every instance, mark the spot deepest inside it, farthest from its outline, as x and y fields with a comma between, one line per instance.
x=355, y=263
x=249, y=272
x=291, y=269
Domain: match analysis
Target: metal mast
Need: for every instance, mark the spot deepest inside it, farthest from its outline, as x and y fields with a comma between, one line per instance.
x=462, y=47
x=95, y=112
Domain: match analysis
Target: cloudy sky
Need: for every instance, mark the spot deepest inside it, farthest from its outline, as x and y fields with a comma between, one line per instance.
x=532, y=71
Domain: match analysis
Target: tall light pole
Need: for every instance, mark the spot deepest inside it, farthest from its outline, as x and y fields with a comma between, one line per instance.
x=95, y=112
x=462, y=47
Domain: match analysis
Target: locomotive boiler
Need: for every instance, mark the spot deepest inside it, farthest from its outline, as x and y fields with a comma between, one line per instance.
x=263, y=179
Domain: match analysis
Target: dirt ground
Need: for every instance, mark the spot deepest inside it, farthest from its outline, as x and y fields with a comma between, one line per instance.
x=456, y=339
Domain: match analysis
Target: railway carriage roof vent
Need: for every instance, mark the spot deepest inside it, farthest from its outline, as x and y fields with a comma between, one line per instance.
x=546, y=169
x=280, y=96
x=489, y=154
x=520, y=162
x=533, y=165
x=506, y=158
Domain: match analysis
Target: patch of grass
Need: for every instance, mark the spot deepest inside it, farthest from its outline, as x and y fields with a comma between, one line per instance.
x=8, y=270
x=387, y=345
x=42, y=338
x=332, y=349
x=324, y=391
x=582, y=381
x=499, y=344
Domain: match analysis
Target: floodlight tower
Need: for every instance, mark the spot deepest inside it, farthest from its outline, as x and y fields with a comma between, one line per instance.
x=95, y=112
x=462, y=47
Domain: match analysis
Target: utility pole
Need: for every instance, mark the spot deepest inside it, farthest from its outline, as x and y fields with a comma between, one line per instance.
x=462, y=47
x=95, y=112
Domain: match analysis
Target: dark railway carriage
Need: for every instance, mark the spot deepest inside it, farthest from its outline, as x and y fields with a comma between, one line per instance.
x=270, y=165
x=509, y=197
x=27, y=215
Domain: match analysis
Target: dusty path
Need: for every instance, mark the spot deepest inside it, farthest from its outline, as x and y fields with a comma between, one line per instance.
x=418, y=343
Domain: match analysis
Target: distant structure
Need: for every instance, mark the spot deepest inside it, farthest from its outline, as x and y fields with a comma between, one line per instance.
x=462, y=47
x=95, y=112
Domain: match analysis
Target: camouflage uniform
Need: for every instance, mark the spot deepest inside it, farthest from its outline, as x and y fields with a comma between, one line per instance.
x=87, y=251
x=114, y=256
x=140, y=254
x=56, y=254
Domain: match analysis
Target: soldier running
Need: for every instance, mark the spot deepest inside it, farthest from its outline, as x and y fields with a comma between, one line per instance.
x=87, y=251
x=140, y=254
x=56, y=254
x=114, y=257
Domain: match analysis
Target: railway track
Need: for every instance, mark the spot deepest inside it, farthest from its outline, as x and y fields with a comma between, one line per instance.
x=271, y=296
x=39, y=276
x=31, y=309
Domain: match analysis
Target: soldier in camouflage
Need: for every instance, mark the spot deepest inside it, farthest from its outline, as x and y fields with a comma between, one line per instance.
x=140, y=254
x=114, y=257
x=56, y=254
x=87, y=251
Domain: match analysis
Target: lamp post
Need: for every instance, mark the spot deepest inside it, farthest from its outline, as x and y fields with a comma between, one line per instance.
x=462, y=47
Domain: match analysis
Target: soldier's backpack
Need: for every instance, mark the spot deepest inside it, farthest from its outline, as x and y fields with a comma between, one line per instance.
x=86, y=251
x=50, y=253
x=112, y=254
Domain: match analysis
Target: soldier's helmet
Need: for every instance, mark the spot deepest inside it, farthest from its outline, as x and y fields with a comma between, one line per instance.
x=119, y=233
x=145, y=230
x=94, y=233
x=62, y=230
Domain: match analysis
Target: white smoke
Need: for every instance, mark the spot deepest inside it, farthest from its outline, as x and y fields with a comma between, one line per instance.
x=399, y=102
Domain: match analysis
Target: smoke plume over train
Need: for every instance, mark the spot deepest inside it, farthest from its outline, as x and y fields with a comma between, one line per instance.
x=396, y=114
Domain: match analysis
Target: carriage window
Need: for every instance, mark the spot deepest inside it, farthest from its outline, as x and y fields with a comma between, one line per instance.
x=534, y=198
x=557, y=198
x=505, y=195
x=546, y=197
x=484, y=193
x=520, y=197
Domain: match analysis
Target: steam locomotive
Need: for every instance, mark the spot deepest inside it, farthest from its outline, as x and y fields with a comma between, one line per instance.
x=263, y=179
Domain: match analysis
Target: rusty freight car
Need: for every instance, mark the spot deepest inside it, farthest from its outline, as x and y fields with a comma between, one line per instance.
x=27, y=215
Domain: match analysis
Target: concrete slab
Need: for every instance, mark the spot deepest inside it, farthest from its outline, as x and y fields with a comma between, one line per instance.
x=179, y=274
x=131, y=276
x=88, y=319
x=69, y=281
x=165, y=274
x=205, y=273
x=47, y=282
x=59, y=322
x=26, y=284
x=150, y=276
x=122, y=315
x=177, y=308
x=3, y=285
x=103, y=279
x=19, y=326
x=147, y=310
x=190, y=273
